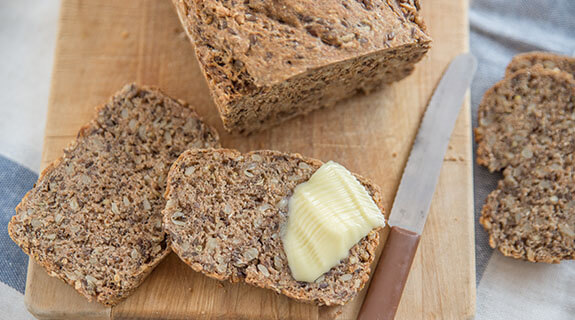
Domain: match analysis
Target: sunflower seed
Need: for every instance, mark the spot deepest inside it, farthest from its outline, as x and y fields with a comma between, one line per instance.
x=251, y=254
x=346, y=277
x=263, y=270
x=211, y=244
x=134, y=254
x=278, y=263
x=115, y=209
x=189, y=171
x=73, y=204
x=146, y=204
x=177, y=218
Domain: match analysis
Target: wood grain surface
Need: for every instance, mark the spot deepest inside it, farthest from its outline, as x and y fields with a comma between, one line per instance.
x=104, y=44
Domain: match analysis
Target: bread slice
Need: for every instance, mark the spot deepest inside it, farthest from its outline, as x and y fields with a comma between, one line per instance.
x=269, y=61
x=225, y=212
x=93, y=218
x=527, y=128
x=528, y=109
x=546, y=60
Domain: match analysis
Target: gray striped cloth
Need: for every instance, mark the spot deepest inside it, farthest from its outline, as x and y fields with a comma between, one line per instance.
x=506, y=288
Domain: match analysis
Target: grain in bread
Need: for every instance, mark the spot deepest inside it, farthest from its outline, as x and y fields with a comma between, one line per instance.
x=93, y=218
x=546, y=60
x=268, y=61
x=225, y=212
x=527, y=127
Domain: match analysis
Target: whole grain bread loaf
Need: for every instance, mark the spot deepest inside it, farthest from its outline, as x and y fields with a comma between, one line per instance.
x=225, y=213
x=544, y=59
x=93, y=218
x=527, y=127
x=268, y=61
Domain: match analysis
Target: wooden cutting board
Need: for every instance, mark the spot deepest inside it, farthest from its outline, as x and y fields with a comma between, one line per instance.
x=104, y=44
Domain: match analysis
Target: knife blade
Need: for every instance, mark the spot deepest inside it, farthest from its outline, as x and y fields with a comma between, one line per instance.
x=416, y=189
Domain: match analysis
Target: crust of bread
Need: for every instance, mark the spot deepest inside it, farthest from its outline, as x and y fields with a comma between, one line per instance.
x=546, y=60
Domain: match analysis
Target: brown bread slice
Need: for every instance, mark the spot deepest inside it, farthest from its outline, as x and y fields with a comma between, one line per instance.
x=546, y=60
x=93, y=218
x=268, y=61
x=526, y=109
x=225, y=212
x=527, y=127
x=531, y=214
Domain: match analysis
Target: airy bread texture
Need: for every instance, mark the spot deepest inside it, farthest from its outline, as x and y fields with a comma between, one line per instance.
x=527, y=129
x=93, y=218
x=268, y=61
x=225, y=213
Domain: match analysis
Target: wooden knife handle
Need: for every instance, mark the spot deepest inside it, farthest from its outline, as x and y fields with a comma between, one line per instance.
x=390, y=275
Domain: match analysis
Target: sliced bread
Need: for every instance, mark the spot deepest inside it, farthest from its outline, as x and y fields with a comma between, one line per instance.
x=526, y=113
x=93, y=218
x=527, y=128
x=225, y=212
x=546, y=60
x=269, y=61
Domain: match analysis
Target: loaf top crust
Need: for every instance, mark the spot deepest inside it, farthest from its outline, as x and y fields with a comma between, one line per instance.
x=225, y=213
x=93, y=218
x=271, y=41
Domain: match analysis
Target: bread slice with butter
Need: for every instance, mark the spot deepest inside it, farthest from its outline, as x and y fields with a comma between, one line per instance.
x=226, y=214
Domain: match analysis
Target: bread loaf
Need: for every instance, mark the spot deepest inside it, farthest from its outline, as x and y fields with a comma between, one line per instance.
x=225, y=213
x=268, y=61
x=93, y=218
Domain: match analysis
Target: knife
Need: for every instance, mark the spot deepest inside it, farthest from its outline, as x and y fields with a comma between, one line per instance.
x=416, y=189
